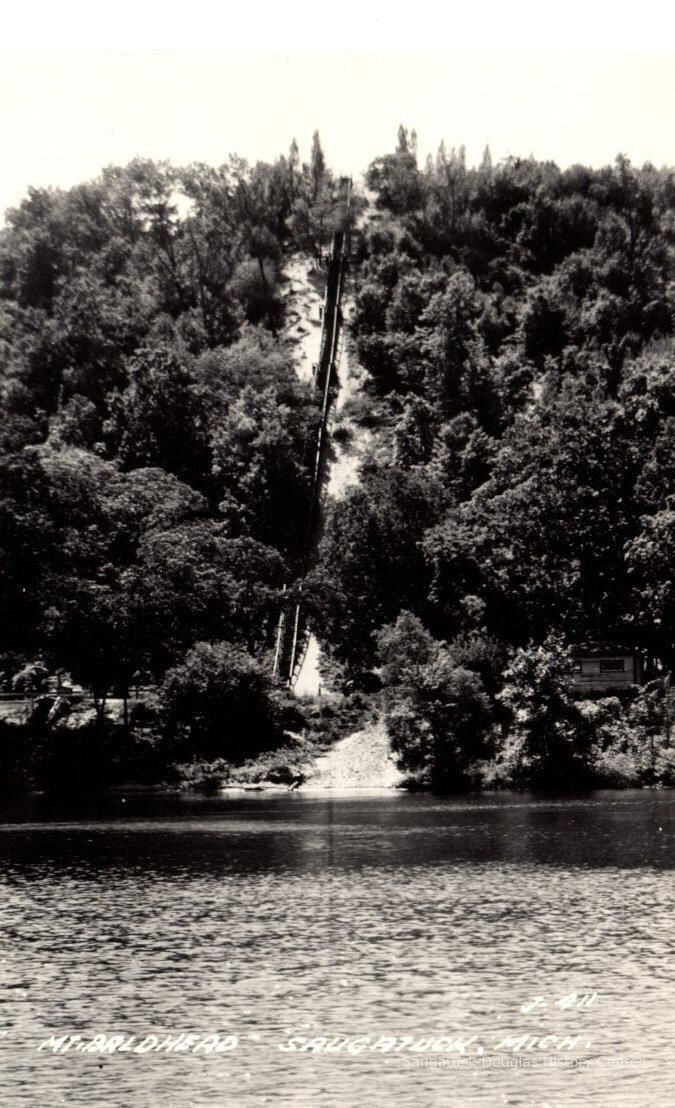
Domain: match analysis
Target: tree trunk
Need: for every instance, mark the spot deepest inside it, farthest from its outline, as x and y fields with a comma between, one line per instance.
x=99, y=705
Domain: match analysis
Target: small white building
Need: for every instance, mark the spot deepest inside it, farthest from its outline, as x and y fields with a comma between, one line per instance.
x=607, y=668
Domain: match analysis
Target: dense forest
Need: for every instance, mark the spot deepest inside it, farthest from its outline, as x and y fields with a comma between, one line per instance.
x=518, y=497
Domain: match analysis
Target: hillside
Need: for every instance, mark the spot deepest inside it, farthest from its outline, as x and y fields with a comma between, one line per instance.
x=500, y=488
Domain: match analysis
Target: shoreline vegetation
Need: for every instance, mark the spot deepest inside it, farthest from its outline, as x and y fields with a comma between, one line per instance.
x=503, y=492
x=623, y=739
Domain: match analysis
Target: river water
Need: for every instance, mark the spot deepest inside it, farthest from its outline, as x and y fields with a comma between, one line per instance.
x=494, y=950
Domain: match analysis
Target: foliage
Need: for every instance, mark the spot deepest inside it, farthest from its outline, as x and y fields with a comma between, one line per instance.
x=546, y=742
x=516, y=325
x=632, y=740
x=153, y=459
x=436, y=709
x=219, y=702
x=370, y=562
x=159, y=419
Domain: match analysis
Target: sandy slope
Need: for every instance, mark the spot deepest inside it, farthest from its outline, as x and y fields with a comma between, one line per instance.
x=303, y=293
x=361, y=761
x=347, y=456
x=301, y=284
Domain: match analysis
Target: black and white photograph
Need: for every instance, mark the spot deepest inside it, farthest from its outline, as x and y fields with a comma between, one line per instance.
x=337, y=565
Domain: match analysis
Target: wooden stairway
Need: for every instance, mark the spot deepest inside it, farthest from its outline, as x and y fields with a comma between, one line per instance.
x=293, y=630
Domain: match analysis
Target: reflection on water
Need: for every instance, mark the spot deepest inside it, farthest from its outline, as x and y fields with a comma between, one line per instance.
x=274, y=917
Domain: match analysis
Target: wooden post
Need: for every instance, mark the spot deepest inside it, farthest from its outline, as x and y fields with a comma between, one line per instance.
x=294, y=645
x=277, y=650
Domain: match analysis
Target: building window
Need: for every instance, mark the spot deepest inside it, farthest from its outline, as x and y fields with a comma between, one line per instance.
x=612, y=665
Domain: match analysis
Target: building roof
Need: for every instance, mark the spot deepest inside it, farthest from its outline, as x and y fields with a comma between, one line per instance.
x=603, y=650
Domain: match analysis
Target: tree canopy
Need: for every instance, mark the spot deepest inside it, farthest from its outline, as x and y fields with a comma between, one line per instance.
x=515, y=322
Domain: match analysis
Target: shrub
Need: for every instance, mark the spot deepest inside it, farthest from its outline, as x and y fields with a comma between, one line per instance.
x=33, y=679
x=631, y=740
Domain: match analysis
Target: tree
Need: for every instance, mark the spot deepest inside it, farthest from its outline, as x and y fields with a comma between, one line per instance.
x=370, y=562
x=437, y=710
x=259, y=461
x=293, y=163
x=159, y=420
x=97, y=632
x=413, y=434
x=397, y=181
x=27, y=540
x=546, y=742
x=199, y=581
x=463, y=456
x=317, y=165
x=105, y=611
x=650, y=558
x=541, y=541
x=219, y=702
x=253, y=360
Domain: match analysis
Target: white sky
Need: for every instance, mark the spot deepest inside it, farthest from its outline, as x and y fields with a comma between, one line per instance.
x=64, y=116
